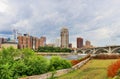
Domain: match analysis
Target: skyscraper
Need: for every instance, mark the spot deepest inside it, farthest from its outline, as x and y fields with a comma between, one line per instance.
x=79, y=42
x=64, y=38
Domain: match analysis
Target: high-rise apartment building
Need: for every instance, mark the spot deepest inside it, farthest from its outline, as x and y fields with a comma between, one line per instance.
x=64, y=38
x=79, y=42
x=27, y=41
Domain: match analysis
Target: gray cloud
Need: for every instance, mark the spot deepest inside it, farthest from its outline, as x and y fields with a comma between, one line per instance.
x=95, y=20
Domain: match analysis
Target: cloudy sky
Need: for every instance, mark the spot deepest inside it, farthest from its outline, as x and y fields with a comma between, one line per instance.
x=94, y=20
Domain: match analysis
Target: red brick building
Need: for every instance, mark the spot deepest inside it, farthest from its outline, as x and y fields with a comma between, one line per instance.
x=27, y=41
x=79, y=42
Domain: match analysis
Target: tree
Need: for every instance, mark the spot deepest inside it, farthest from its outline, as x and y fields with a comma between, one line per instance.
x=5, y=71
x=37, y=65
x=53, y=49
x=57, y=63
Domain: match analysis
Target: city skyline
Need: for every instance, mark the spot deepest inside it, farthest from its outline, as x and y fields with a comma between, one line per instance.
x=97, y=21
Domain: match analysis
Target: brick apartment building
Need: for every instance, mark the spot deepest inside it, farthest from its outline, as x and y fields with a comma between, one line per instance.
x=79, y=42
x=27, y=41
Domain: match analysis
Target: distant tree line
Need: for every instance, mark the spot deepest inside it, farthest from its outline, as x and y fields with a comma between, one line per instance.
x=53, y=49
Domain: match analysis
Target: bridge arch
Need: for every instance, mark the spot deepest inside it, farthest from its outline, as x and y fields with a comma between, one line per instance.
x=88, y=51
x=80, y=51
x=101, y=50
x=115, y=49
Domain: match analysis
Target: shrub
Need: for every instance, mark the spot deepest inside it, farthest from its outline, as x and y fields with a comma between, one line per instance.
x=5, y=71
x=74, y=62
x=19, y=69
x=113, y=69
x=16, y=63
x=117, y=75
x=37, y=65
x=57, y=63
x=107, y=56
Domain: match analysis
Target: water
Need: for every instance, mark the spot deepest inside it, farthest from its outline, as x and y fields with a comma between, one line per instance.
x=71, y=57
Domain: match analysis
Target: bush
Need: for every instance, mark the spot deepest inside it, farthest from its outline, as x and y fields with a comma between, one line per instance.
x=74, y=62
x=117, y=75
x=37, y=65
x=16, y=63
x=57, y=63
x=19, y=69
x=5, y=71
x=113, y=69
x=107, y=56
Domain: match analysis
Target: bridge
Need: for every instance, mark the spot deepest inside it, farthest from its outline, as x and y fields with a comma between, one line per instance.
x=96, y=50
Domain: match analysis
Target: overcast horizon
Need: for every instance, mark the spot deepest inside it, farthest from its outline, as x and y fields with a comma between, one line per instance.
x=95, y=20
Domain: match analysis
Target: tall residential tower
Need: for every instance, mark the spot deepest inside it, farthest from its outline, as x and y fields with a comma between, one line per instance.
x=64, y=38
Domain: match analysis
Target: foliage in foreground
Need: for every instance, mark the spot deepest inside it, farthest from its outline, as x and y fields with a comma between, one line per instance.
x=16, y=63
x=113, y=69
x=57, y=63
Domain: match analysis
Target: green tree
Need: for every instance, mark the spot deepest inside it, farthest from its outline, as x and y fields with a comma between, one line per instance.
x=37, y=65
x=19, y=68
x=57, y=63
x=5, y=71
x=53, y=49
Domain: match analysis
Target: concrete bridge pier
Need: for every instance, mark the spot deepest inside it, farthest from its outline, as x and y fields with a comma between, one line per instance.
x=109, y=50
x=83, y=51
x=94, y=50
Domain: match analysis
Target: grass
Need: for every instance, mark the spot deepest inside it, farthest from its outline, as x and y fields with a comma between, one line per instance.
x=94, y=69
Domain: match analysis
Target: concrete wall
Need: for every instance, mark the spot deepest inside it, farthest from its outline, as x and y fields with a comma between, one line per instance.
x=58, y=73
